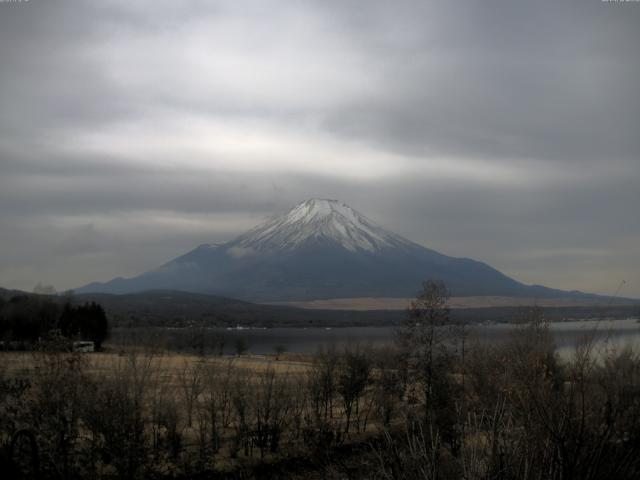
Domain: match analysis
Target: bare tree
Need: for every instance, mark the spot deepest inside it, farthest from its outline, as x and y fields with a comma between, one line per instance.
x=54, y=408
x=353, y=378
x=271, y=407
x=217, y=405
x=240, y=346
x=421, y=338
x=388, y=386
x=279, y=349
x=190, y=382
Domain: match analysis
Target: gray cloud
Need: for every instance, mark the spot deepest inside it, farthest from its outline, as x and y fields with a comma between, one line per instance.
x=503, y=131
x=548, y=81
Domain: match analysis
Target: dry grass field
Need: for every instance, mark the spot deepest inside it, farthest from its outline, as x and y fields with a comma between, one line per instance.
x=169, y=365
x=391, y=303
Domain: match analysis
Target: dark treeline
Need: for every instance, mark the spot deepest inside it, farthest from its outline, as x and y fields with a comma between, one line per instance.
x=183, y=309
x=160, y=308
x=175, y=309
x=26, y=319
x=436, y=406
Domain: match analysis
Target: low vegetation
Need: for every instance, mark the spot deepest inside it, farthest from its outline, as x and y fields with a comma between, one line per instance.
x=435, y=406
x=26, y=320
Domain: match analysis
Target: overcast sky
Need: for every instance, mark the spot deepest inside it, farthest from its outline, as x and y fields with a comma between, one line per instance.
x=132, y=131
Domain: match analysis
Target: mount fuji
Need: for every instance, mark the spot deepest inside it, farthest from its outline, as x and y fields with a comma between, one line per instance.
x=321, y=249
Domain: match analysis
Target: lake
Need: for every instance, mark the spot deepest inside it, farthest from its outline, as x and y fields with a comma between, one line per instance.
x=567, y=335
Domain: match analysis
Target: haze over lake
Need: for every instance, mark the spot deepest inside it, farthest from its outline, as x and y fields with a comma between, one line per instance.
x=606, y=334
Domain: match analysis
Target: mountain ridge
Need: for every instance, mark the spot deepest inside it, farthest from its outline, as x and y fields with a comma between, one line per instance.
x=321, y=249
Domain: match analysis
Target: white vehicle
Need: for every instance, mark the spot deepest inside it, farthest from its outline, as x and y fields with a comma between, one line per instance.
x=83, y=346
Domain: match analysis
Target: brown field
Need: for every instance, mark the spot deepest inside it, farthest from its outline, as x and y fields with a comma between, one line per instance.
x=168, y=364
x=390, y=303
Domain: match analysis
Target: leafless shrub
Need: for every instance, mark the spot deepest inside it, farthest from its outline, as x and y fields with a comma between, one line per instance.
x=54, y=406
x=117, y=415
x=354, y=373
x=297, y=394
x=13, y=391
x=241, y=391
x=387, y=387
x=412, y=454
x=190, y=384
x=322, y=430
x=270, y=408
x=216, y=407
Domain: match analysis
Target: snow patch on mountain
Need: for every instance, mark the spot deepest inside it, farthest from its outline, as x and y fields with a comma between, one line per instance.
x=320, y=220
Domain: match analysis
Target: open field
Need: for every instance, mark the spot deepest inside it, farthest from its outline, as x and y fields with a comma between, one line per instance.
x=390, y=303
x=168, y=364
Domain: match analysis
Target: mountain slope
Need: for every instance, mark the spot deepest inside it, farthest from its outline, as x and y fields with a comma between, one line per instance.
x=321, y=249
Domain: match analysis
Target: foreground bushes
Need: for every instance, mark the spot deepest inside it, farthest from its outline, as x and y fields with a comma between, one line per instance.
x=524, y=414
x=439, y=406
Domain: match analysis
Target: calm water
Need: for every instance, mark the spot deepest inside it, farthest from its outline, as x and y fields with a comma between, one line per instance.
x=567, y=335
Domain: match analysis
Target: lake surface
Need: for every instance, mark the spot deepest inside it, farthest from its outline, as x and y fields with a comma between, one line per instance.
x=567, y=335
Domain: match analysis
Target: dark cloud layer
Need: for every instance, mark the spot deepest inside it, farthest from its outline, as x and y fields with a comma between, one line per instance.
x=504, y=131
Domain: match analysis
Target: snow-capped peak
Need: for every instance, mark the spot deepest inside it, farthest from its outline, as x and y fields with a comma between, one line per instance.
x=320, y=220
